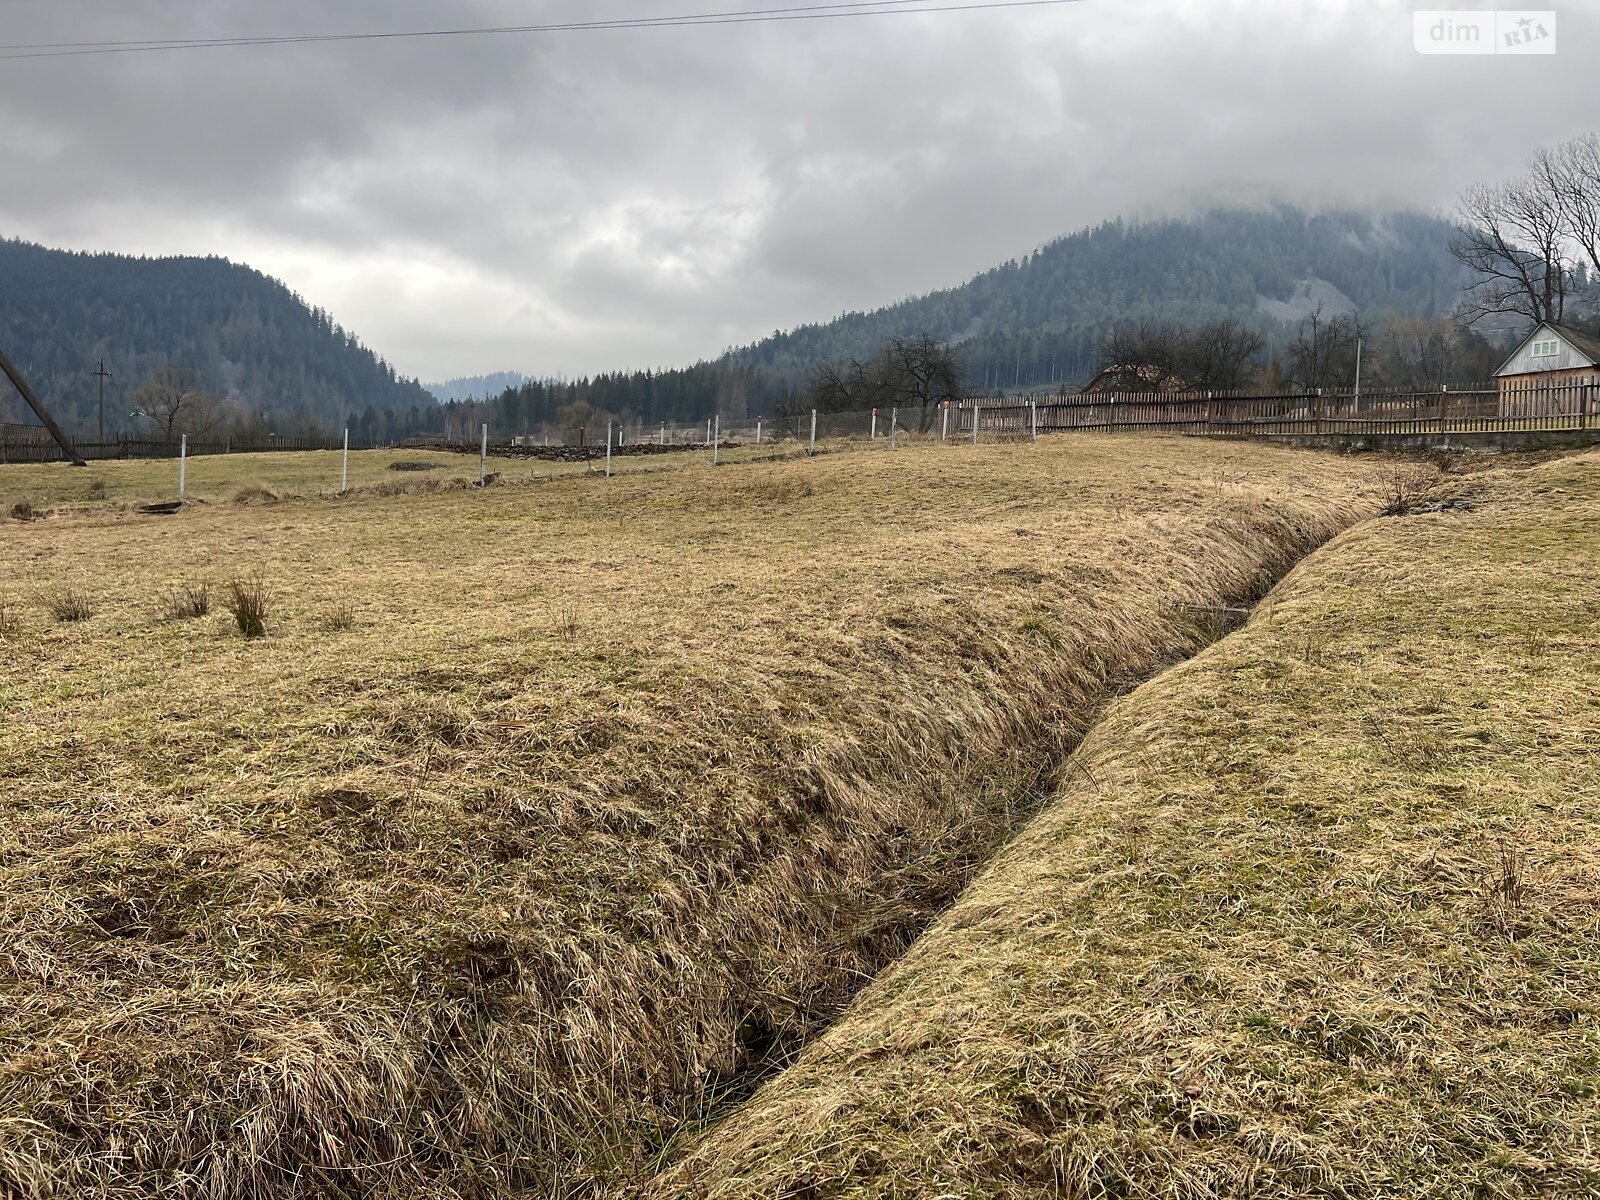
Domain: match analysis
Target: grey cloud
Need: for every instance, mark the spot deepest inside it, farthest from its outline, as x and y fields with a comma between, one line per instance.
x=576, y=202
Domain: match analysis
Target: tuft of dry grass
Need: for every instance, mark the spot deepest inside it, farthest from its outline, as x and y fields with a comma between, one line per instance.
x=339, y=618
x=22, y=510
x=69, y=605
x=253, y=493
x=10, y=623
x=248, y=601
x=469, y=910
x=186, y=602
x=1291, y=924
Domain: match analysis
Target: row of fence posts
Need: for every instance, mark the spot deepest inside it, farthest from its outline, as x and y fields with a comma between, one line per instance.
x=713, y=436
x=344, y=469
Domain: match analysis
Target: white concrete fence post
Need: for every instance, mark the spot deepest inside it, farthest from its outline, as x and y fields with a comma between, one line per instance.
x=874, y=435
x=663, y=433
x=1035, y=415
x=894, y=429
x=344, y=475
x=813, y=431
x=716, y=442
x=608, y=449
x=944, y=424
x=758, y=430
x=183, y=466
x=977, y=416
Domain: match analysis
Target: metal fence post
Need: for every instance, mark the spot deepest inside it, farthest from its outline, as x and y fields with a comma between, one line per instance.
x=183, y=466
x=344, y=475
x=977, y=415
x=813, y=431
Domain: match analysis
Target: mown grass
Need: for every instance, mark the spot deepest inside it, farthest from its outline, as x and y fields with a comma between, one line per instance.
x=1314, y=914
x=605, y=797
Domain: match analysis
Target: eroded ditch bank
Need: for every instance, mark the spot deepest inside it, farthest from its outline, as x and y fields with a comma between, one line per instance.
x=505, y=906
x=1311, y=914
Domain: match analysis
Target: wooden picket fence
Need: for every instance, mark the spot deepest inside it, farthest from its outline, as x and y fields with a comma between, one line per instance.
x=1487, y=408
x=28, y=443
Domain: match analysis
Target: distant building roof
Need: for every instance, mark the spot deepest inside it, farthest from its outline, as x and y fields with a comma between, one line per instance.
x=1134, y=377
x=1584, y=348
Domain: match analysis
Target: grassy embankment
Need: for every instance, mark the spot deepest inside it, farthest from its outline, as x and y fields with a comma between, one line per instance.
x=1316, y=913
x=543, y=817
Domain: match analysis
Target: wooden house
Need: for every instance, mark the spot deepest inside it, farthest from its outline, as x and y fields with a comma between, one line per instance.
x=1553, y=373
x=1552, y=354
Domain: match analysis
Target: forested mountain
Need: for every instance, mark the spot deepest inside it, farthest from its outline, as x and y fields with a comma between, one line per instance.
x=1039, y=320
x=1036, y=321
x=287, y=366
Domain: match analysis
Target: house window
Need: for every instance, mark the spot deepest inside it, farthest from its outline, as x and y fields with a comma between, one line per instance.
x=1547, y=348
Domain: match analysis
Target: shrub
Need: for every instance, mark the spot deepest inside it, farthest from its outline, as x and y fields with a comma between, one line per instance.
x=247, y=601
x=187, y=602
x=69, y=606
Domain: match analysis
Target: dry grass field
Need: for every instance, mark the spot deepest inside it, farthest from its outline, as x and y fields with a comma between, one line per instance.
x=1316, y=913
x=262, y=478
x=543, y=819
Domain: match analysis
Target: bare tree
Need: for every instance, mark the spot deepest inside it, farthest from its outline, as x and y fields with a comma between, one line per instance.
x=837, y=388
x=1220, y=356
x=175, y=402
x=1512, y=238
x=919, y=373
x=1419, y=353
x=908, y=372
x=1323, y=353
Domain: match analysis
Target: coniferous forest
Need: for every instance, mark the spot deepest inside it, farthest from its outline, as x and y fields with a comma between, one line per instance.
x=1038, y=321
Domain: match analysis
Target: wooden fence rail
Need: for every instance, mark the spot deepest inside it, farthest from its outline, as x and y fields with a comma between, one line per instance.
x=1484, y=409
x=20, y=444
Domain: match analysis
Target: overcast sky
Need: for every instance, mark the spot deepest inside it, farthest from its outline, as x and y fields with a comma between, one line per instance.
x=564, y=203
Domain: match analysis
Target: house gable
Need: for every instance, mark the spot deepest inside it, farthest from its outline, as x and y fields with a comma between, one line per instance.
x=1551, y=348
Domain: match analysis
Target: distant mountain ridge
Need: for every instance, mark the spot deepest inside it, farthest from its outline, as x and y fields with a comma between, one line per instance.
x=1041, y=317
x=1035, y=321
x=476, y=387
x=246, y=335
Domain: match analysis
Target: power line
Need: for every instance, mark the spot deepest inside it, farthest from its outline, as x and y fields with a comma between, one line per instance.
x=808, y=12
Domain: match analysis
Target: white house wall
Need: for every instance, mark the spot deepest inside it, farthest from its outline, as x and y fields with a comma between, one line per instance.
x=1524, y=363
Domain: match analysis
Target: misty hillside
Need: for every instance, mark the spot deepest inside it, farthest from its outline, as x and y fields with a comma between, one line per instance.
x=476, y=387
x=248, y=336
x=1039, y=319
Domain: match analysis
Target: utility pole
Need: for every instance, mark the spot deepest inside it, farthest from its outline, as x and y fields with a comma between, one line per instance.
x=103, y=375
x=37, y=405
